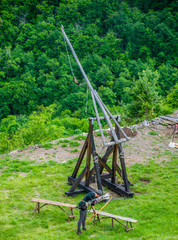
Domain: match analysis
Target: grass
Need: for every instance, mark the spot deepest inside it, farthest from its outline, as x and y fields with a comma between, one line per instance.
x=74, y=150
x=74, y=144
x=104, y=133
x=64, y=145
x=153, y=133
x=47, y=145
x=154, y=205
x=80, y=137
x=63, y=141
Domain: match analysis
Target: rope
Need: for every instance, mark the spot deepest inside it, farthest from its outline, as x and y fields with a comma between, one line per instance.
x=68, y=58
x=86, y=100
x=93, y=215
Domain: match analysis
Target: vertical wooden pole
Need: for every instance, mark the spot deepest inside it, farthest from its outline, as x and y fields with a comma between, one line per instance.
x=82, y=153
x=114, y=162
x=38, y=207
x=122, y=161
x=89, y=152
x=96, y=164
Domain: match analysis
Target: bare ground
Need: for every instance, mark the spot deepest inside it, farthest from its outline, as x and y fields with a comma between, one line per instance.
x=145, y=143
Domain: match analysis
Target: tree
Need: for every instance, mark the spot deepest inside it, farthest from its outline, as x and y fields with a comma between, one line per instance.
x=144, y=95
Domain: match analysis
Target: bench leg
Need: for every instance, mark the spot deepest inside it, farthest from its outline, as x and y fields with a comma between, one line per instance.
x=112, y=223
x=37, y=208
x=128, y=229
x=71, y=214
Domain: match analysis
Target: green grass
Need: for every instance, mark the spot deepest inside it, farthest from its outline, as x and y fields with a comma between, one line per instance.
x=153, y=133
x=154, y=205
x=74, y=144
x=63, y=141
x=74, y=150
x=104, y=133
x=64, y=145
x=47, y=145
x=80, y=137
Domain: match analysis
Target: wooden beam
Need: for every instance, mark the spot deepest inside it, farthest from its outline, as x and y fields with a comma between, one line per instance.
x=104, y=165
x=81, y=156
x=89, y=153
x=77, y=181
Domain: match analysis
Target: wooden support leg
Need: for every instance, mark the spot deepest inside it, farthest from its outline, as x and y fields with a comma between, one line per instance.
x=37, y=208
x=126, y=227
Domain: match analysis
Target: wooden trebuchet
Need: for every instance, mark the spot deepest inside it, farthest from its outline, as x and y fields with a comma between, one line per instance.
x=89, y=174
x=95, y=97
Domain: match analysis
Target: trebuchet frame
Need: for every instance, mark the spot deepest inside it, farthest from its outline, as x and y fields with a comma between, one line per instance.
x=89, y=174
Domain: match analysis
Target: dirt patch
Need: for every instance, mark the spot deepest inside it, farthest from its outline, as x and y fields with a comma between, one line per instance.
x=129, y=132
x=144, y=181
x=145, y=143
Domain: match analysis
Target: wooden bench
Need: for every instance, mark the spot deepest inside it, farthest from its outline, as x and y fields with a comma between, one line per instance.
x=114, y=217
x=59, y=204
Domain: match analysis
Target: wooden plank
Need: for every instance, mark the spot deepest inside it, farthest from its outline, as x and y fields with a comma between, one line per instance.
x=115, y=216
x=53, y=203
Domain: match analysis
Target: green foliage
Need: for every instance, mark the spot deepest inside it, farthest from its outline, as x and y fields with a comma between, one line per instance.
x=122, y=46
x=38, y=130
x=144, y=95
x=172, y=97
x=114, y=41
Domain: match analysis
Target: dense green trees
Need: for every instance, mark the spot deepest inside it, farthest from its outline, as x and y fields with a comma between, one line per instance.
x=127, y=48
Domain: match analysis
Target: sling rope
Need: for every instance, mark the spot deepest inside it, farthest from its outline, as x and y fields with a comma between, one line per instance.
x=86, y=100
x=68, y=58
x=70, y=63
x=93, y=215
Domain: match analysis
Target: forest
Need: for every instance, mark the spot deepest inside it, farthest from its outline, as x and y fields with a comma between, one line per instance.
x=127, y=48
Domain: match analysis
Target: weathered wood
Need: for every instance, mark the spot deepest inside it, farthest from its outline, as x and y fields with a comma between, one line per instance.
x=106, y=155
x=81, y=156
x=54, y=203
x=89, y=153
x=114, y=217
x=104, y=165
x=77, y=181
x=95, y=161
x=122, y=161
x=114, y=161
x=99, y=164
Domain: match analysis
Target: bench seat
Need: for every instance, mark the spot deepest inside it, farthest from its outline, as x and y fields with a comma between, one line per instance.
x=59, y=204
x=114, y=217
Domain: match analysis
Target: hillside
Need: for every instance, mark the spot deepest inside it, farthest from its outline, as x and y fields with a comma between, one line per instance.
x=145, y=143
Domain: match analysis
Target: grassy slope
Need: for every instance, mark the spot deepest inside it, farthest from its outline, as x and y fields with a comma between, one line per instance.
x=155, y=209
